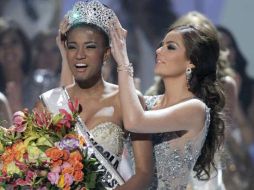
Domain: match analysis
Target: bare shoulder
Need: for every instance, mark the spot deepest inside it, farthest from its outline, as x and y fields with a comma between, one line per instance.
x=194, y=112
x=111, y=93
x=229, y=83
x=111, y=88
x=69, y=87
x=194, y=106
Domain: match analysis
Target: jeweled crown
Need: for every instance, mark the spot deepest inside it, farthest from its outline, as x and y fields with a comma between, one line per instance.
x=91, y=12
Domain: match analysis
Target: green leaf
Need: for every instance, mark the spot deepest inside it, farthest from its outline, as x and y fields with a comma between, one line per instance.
x=91, y=180
x=57, y=118
x=27, y=141
x=43, y=148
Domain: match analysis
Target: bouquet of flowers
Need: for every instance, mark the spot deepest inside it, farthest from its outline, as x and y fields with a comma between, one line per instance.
x=43, y=151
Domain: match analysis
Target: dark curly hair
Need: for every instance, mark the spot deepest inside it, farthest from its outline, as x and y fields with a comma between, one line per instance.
x=202, y=49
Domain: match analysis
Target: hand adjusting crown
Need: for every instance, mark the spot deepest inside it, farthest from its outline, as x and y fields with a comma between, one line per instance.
x=91, y=12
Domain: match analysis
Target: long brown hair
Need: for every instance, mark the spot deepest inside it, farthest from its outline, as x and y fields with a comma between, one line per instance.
x=202, y=48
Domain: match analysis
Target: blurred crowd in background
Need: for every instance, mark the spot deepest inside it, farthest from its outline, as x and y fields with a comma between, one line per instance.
x=30, y=63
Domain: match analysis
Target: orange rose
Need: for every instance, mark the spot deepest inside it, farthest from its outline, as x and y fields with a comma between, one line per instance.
x=78, y=176
x=56, y=163
x=72, y=162
x=68, y=170
x=66, y=155
x=75, y=156
x=54, y=153
x=77, y=165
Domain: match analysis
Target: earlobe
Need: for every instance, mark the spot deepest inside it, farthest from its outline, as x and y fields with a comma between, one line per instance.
x=106, y=55
x=191, y=65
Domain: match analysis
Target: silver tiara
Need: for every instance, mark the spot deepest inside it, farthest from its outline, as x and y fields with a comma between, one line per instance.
x=91, y=12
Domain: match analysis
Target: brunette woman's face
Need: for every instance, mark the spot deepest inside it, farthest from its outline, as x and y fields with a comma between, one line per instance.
x=86, y=52
x=12, y=52
x=171, y=60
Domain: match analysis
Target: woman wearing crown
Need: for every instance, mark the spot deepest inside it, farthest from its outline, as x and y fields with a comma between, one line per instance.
x=84, y=43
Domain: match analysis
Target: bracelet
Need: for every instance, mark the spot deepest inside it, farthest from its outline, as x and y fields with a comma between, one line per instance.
x=127, y=68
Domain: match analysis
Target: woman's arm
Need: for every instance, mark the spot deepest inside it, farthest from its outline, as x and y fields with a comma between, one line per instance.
x=189, y=114
x=66, y=75
x=142, y=149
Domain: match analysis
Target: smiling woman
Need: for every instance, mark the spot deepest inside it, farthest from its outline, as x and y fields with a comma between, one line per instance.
x=87, y=49
x=185, y=121
x=84, y=48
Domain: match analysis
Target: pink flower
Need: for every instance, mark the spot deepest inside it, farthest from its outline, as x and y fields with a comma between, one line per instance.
x=21, y=182
x=66, y=165
x=4, y=178
x=67, y=118
x=66, y=115
x=56, y=169
x=53, y=177
x=21, y=165
x=30, y=175
x=68, y=179
x=42, y=118
x=74, y=107
x=27, y=182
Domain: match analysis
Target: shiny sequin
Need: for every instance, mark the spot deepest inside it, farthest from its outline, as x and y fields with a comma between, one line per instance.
x=110, y=135
x=174, y=155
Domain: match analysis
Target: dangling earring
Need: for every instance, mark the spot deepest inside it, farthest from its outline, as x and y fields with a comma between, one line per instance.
x=188, y=76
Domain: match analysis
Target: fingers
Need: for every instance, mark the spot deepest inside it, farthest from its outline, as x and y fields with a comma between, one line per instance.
x=118, y=33
x=64, y=26
x=117, y=27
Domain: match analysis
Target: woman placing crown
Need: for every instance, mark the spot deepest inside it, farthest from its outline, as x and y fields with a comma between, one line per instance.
x=84, y=44
x=185, y=121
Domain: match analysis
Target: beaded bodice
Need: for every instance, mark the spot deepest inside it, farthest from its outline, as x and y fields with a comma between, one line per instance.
x=111, y=136
x=175, y=154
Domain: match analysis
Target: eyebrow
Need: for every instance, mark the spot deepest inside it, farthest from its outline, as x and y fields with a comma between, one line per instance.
x=89, y=42
x=170, y=41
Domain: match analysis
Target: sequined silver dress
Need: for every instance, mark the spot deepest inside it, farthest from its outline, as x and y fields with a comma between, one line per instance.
x=175, y=154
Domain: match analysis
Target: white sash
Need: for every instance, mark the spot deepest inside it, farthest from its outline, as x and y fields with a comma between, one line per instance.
x=56, y=99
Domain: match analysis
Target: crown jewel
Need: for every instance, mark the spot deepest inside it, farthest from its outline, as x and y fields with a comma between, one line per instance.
x=91, y=12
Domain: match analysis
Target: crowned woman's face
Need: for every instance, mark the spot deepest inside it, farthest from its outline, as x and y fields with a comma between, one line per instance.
x=86, y=52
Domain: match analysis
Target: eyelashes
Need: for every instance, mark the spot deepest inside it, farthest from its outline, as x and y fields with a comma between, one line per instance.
x=70, y=46
x=170, y=46
x=91, y=46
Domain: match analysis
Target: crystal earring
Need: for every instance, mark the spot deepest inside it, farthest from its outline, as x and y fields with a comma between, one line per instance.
x=188, y=75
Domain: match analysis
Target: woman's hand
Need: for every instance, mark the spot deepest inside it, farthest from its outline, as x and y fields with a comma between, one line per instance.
x=66, y=75
x=60, y=39
x=118, y=43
